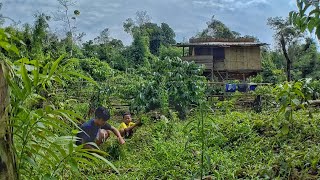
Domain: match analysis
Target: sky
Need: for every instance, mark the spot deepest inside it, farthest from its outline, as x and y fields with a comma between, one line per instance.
x=185, y=17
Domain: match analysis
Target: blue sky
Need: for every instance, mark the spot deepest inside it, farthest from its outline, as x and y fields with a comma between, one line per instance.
x=186, y=17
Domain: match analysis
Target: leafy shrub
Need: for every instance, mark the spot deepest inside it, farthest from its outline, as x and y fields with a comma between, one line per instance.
x=267, y=95
x=97, y=69
x=174, y=83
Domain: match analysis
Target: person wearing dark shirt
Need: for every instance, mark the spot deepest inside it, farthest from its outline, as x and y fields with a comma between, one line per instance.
x=97, y=130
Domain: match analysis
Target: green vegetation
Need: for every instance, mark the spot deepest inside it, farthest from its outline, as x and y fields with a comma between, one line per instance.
x=237, y=145
x=55, y=84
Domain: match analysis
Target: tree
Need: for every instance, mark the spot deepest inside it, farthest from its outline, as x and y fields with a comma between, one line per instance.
x=27, y=37
x=142, y=18
x=105, y=48
x=157, y=35
x=217, y=29
x=69, y=21
x=104, y=37
x=307, y=16
x=167, y=35
x=285, y=35
x=154, y=32
x=139, y=52
x=306, y=62
x=272, y=71
x=39, y=34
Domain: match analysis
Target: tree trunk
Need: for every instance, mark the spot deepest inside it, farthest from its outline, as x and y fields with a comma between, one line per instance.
x=8, y=169
x=285, y=53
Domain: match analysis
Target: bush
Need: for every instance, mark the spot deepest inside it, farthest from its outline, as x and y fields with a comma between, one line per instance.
x=97, y=69
x=172, y=83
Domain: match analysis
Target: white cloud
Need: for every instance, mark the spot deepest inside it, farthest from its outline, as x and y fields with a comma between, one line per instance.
x=228, y=4
x=186, y=17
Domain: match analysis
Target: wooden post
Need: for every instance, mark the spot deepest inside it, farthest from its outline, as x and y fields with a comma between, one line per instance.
x=212, y=76
x=7, y=161
x=183, y=52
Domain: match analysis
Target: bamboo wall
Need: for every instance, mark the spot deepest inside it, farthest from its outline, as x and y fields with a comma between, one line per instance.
x=242, y=58
x=236, y=59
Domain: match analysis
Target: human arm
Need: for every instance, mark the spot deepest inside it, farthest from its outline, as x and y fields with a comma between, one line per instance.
x=130, y=128
x=125, y=130
x=118, y=134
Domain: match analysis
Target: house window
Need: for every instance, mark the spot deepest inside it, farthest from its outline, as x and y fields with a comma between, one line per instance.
x=218, y=53
x=202, y=51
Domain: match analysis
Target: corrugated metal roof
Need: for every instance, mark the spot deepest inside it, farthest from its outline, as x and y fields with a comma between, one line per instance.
x=221, y=44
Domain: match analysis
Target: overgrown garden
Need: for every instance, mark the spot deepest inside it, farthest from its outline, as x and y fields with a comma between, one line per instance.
x=56, y=82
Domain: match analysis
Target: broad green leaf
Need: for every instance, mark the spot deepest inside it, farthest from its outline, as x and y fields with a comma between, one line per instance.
x=311, y=25
x=291, y=16
x=9, y=47
x=31, y=161
x=58, y=80
x=48, y=177
x=74, y=165
x=55, y=123
x=35, y=72
x=21, y=61
x=55, y=65
x=106, y=161
x=45, y=70
x=60, y=149
x=88, y=155
x=82, y=76
x=25, y=78
x=15, y=89
x=282, y=109
x=303, y=24
x=71, y=113
x=75, y=131
x=44, y=156
x=48, y=151
x=70, y=147
x=83, y=159
x=298, y=92
x=318, y=31
x=296, y=102
x=67, y=117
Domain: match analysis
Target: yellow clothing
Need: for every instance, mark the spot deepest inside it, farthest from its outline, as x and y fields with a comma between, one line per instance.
x=124, y=126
